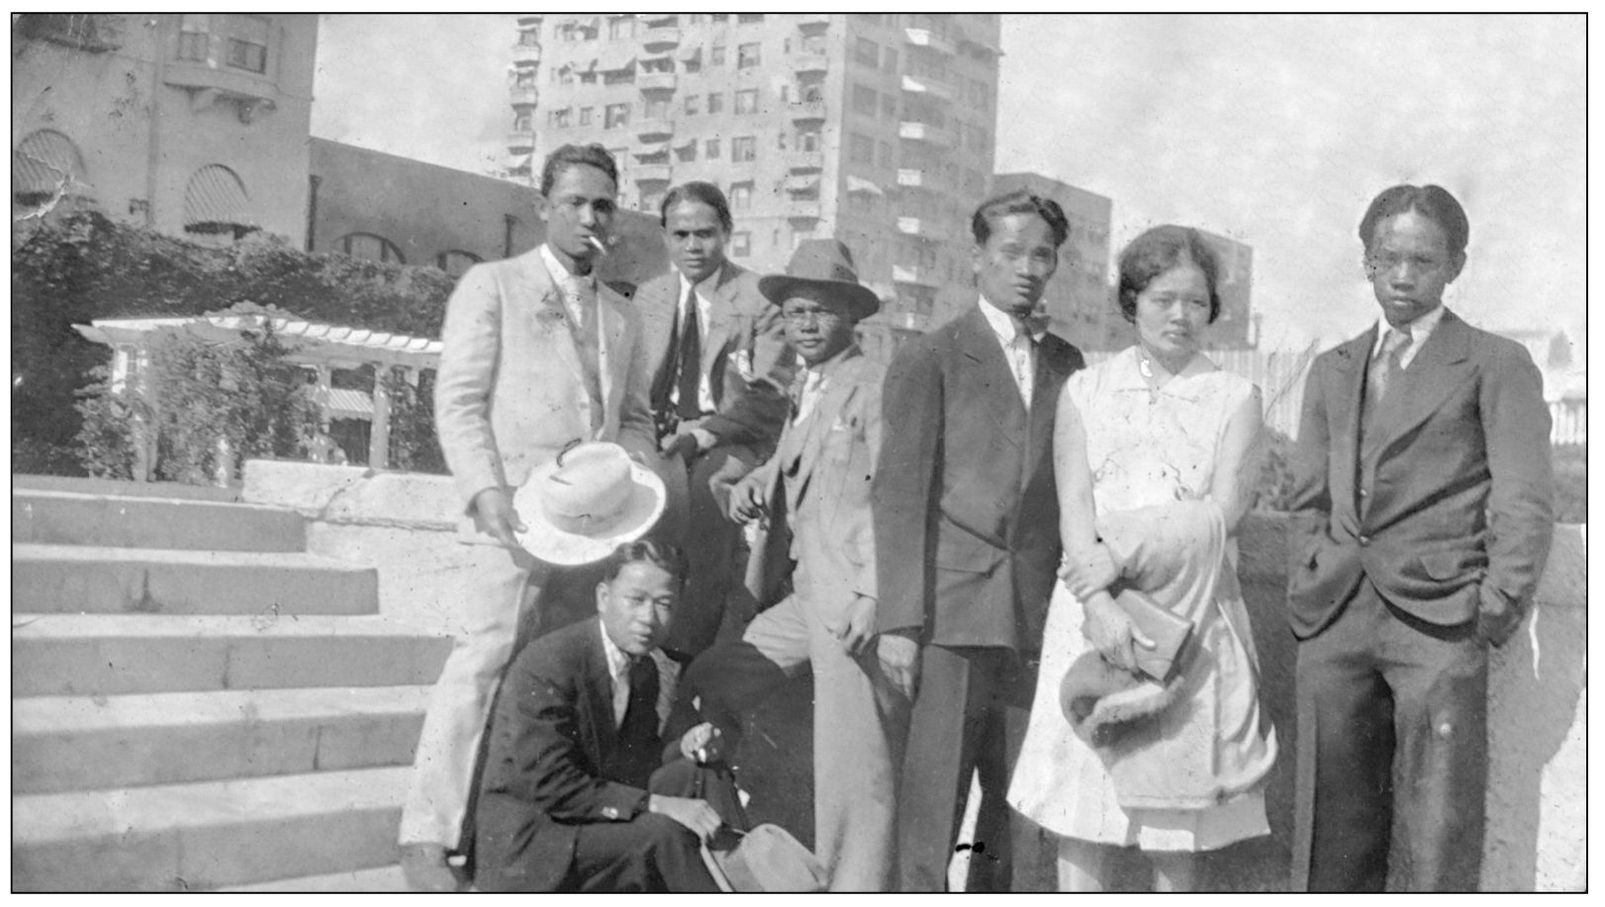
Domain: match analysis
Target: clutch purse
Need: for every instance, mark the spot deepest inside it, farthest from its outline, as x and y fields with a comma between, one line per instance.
x=1170, y=633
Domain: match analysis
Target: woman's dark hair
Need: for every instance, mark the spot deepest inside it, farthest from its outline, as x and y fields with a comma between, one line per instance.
x=1158, y=250
x=697, y=191
x=592, y=155
x=669, y=558
x=1019, y=202
x=1432, y=202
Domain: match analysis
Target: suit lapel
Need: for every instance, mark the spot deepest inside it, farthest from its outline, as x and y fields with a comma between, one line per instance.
x=1441, y=366
x=551, y=310
x=981, y=352
x=1348, y=377
x=1051, y=372
x=612, y=355
x=721, y=323
x=831, y=404
x=599, y=694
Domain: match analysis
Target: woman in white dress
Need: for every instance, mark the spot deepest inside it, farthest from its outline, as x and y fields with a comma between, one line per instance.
x=1157, y=431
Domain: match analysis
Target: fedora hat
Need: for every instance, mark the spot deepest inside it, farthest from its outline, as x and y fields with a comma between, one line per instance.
x=827, y=264
x=767, y=859
x=585, y=503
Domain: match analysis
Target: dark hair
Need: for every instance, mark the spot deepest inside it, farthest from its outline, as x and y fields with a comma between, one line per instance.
x=1158, y=250
x=592, y=155
x=1432, y=202
x=669, y=558
x=1019, y=202
x=697, y=191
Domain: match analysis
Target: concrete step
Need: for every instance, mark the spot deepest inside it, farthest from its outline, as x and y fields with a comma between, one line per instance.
x=69, y=518
x=113, y=654
x=122, y=487
x=75, y=578
x=206, y=835
x=68, y=743
x=385, y=878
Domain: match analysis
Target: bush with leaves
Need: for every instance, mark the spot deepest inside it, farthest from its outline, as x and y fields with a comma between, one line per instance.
x=414, y=446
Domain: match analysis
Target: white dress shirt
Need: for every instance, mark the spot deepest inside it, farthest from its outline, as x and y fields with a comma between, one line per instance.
x=1019, y=348
x=618, y=667
x=579, y=293
x=704, y=307
x=1419, y=330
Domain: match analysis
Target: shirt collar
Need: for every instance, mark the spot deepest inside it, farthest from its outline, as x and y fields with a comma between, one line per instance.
x=704, y=287
x=824, y=369
x=1419, y=329
x=1125, y=375
x=562, y=274
x=1002, y=324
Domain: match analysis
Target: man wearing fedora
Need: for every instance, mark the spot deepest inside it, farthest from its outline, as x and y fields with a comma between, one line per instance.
x=967, y=532
x=537, y=354
x=573, y=797
x=720, y=369
x=812, y=498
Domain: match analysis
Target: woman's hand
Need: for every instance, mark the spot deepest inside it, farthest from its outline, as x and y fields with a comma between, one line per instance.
x=1111, y=632
x=1088, y=571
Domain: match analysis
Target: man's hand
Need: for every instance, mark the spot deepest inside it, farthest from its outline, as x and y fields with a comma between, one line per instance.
x=688, y=442
x=1094, y=569
x=746, y=499
x=1497, y=618
x=703, y=744
x=900, y=660
x=495, y=516
x=696, y=815
x=856, y=629
x=1111, y=632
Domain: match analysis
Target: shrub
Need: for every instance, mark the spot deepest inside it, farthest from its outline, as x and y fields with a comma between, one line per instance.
x=1275, y=483
x=414, y=447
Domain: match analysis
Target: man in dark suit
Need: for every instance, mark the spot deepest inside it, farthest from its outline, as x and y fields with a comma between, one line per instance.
x=967, y=531
x=720, y=368
x=1421, y=522
x=579, y=729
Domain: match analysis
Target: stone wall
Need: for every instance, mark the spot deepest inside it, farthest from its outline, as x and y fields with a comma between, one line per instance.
x=404, y=524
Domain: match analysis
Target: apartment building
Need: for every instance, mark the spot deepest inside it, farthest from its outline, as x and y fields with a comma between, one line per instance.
x=877, y=129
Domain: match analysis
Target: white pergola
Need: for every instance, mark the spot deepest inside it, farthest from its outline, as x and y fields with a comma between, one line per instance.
x=319, y=347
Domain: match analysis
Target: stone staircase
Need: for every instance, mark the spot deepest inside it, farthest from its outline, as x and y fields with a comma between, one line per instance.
x=197, y=703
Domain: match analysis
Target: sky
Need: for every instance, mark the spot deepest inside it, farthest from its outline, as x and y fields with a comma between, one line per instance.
x=1274, y=130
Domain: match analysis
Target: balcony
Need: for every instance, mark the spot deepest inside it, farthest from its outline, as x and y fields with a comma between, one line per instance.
x=523, y=94
x=813, y=21
x=799, y=160
x=655, y=81
x=660, y=39
x=924, y=85
x=650, y=173
x=250, y=93
x=520, y=141
x=913, y=226
x=925, y=132
x=526, y=53
x=803, y=209
x=802, y=111
x=906, y=177
x=924, y=37
x=923, y=277
x=808, y=63
x=657, y=128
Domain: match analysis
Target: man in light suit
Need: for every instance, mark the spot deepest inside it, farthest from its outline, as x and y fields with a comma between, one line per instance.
x=537, y=354
x=967, y=529
x=720, y=368
x=813, y=499
x=1421, y=521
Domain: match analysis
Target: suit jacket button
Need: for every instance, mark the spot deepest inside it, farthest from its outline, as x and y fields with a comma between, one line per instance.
x=610, y=812
x=1365, y=492
x=1365, y=540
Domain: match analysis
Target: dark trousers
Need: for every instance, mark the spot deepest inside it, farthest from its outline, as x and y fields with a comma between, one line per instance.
x=711, y=543
x=648, y=853
x=958, y=726
x=1392, y=746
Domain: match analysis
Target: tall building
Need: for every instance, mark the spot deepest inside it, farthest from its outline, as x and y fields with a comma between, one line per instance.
x=193, y=124
x=1079, y=300
x=1234, y=328
x=876, y=129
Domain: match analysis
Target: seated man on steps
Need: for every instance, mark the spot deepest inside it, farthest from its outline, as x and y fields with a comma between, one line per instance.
x=578, y=729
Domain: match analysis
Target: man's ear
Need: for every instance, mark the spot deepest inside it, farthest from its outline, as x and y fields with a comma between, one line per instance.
x=1456, y=265
x=601, y=595
x=543, y=207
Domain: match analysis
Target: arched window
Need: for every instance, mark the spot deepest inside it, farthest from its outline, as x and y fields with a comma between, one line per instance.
x=456, y=261
x=45, y=165
x=216, y=204
x=371, y=247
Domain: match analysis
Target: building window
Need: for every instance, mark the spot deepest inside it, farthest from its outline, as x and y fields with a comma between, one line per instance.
x=711, y=149
x=747, y=55
x=814, y=44
x=621, y=27
x=749, y=18
x=740, y=244
x=716, y=55
x=588, y=77
x=529, y=37
x=747, y=100
x=740, y=196
x=865, y=100
x=694, y=19
x=808, y=141
x=247, y=43
x=718, y=17
x=616, y=115
x=216, y=204
x=524, y=77
x=744, y=149
x=715, y=102
x=370, y=247
x=811, y=92
x=559, y=118
x=687, y=152
x=888, y=107
x=656, y=108
x=585, y=116
x=692, y=103
x=43, y=164
x=456, y=261
x=194, y=33
x=860, y=149
x=889, y=60
x=867, y=53
x=886, y=154
x=523, y=121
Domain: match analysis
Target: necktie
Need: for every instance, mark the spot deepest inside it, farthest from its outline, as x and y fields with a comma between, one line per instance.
x=1020, y=360
x=1389, y=359
x=641, y=714
x=690, y=360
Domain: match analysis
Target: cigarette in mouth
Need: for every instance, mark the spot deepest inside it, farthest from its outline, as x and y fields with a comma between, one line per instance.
x=597, y=244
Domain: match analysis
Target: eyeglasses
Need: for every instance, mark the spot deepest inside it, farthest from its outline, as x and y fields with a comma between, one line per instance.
x=820, y=316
